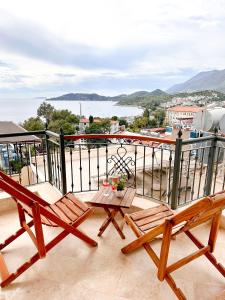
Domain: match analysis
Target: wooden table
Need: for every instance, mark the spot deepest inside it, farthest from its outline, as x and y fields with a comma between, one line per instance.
x=107, y=199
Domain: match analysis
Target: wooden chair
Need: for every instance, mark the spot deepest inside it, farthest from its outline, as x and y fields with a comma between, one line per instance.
x=151, y=223
x=67, y=213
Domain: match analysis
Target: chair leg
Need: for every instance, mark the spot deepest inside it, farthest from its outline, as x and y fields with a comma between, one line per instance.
x=209, y=255
x=178, y=292
x=15, y=235
x=82, y=236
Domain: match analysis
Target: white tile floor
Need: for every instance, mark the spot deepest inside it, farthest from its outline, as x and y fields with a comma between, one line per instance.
x=75, y=271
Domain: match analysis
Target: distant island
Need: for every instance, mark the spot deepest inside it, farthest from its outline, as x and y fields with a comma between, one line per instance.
x=146, y=99
x=96, y=97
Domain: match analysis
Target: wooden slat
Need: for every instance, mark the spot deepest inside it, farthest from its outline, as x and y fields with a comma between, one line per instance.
x=66, y=211
x=47, y=222
x=151, y=225
x=54, y=208
x=76, y=201
x=98, y=195
x=26, y=208
x=182, y=262
x=105, y=196
x=128, y=197
x=148, y=212
x=156, y=217
x=75, y=209
x=164, y=252
x=4, y=272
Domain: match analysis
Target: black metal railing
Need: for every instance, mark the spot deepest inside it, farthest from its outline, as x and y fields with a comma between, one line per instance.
x=23, y=156
x=147, y=163
x=174, y=172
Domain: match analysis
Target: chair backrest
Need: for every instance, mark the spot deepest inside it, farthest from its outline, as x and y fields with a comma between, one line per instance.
x=198, y=213
x=29, y=201
x=8, y=185
x=208, y=208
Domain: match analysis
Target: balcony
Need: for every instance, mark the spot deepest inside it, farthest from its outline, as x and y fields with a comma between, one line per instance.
x=173, y=172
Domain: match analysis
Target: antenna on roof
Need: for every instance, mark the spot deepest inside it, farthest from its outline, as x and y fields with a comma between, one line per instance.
x=80, y=110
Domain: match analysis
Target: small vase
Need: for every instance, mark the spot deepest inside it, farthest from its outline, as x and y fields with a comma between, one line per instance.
x=119, y=194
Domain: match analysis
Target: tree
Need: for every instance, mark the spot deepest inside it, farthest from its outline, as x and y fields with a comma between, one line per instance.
x=114, y=118
x=160, y=116
x=45, y=110
x=63, y=119
x=91, y=119
x=152, y=123
x=33, y=124
x=141, y=122
x=95, y=128
x=66, y=115
x=105, y=125
x=146, y=113
x=68, y=128
x=123, y=122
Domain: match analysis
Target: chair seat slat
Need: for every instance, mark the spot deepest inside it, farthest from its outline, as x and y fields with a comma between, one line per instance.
x=54, y=208
x=148, y=212
x=77, y=202
x=66, y=211
x=150, y=219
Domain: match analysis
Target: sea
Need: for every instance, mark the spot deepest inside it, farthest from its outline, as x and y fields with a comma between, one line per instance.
x=18, y=110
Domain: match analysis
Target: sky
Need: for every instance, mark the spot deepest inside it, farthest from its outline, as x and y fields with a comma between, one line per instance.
x=49, y=48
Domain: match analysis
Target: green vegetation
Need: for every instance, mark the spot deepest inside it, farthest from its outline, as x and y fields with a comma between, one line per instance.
x=148, y=120
x=45, y=110
x=33, y=124
x=98, y=128
x=15, y=166
x=152, y=100
x=91, y=119
x=123, y=122
x=55, y=118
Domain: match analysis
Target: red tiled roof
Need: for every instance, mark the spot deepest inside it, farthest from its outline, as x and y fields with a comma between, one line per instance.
x=185, y=109
x=84, y=120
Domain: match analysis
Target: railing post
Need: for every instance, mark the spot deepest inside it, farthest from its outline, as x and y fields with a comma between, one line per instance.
x=210, y=166
x=62, y=162
x=49, y=164
x=176, y=171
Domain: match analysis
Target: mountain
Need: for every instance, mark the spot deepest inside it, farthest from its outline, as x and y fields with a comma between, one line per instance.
x=210, y=80
x=81, y=97
x=96, y=97
x=158, y=92
x=145, y=99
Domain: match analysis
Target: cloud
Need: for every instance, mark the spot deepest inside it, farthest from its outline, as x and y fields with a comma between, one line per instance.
x=110, y=46
x=34, y=41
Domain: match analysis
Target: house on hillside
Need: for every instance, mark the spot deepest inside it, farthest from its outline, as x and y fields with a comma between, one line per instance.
x=177, y=115
x=83, y=124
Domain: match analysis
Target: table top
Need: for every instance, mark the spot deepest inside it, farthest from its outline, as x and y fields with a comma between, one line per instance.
x=106, y=197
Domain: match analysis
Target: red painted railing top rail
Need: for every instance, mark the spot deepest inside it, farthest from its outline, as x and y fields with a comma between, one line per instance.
x=119, y=136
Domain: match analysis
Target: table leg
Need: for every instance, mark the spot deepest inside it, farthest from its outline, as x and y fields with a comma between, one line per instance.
x=121, y=212
x=104, y=225
x=112, y=214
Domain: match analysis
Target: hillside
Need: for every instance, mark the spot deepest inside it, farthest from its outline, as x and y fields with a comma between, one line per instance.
x=81, y=97
x=146, y=99
x=210, y=80
x=96, y=97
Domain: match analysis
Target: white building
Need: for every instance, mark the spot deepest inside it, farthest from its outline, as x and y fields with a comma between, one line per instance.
x=114, y=126
x=177, y=113
x=83, y=124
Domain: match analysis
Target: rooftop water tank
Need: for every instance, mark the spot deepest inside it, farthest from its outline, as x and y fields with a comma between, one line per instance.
x=209, y=119
x=222, y=124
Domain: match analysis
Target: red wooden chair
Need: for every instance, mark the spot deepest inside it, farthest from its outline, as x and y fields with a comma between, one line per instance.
x=67, y=213
x=151, y=223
